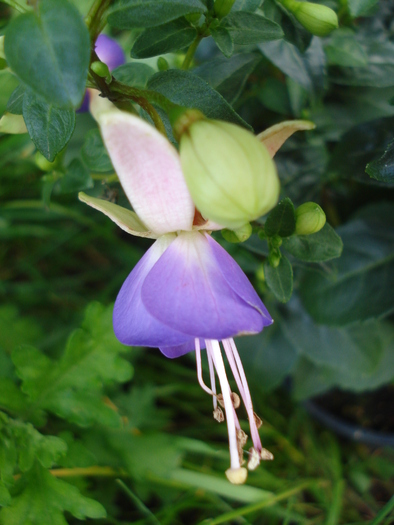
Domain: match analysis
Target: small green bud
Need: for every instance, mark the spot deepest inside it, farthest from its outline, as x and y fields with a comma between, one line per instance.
x=42, y=163
x=276, y=241
x=229, y=172
x=319, y=19
x=240, y=235
x=223, y=7
x=162, y=64
x=310, y=218
x=193, y=18
x=101, y=69
x=274, y=257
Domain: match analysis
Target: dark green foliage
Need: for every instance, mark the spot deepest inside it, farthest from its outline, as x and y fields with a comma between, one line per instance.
x=78, y=410
x=165, y=38
x=49, y=59
x=49, y=127
x=150, y=13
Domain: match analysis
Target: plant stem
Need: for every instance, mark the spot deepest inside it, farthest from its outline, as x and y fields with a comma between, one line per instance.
x=94, y=19
x=191, y=51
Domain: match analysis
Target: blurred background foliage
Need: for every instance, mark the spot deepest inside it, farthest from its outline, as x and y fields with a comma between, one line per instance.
x=129, y=432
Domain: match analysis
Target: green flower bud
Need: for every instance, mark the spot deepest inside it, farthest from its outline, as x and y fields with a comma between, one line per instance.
x=162, y=64
x=240, y=235
x=319, y=19
x=229, y=172
x=276, y=241
x=310, y=218
x=223, y=7
x=101, y=69
x=274, y=257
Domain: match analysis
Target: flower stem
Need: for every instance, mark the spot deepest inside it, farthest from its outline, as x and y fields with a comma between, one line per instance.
x=94, y=19
x=191, y=51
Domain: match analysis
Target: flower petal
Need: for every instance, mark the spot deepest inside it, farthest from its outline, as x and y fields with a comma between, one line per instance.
x=172, y=352
x=237, y=280
x=133, y=324
x=275, y=136
x=149, y=170
x=109, y=52
x=124, y=218
x=186, y=291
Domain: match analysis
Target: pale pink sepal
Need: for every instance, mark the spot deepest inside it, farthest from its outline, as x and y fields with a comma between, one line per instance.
x=125, y=219
x=99, y=105
x=275, y=136
x=149, y=170
x=209, y=226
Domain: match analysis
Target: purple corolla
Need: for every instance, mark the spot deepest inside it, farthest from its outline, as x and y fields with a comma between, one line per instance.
x=109, y=52
x=186, y=293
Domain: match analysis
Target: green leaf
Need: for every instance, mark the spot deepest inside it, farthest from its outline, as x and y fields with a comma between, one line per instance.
x=360, y=7
x=42, y=499
x=360, y=287
x=49, y=59
x=280, y=279
x=344, y=50
x=49, y=127
x=311, y=377
x=318, y=247
x=72, y=387
x=248, y=28
x=246, y=5
x=186, y=89
x=281, y=220
x=134, y=74
x=76, y=178
x=267, y=357
x=15, y=102
x=367, y=142
x=31, y=446
x=172, y=36
x=156, y=454
x=11, y=398
x=383, y=168
x=94, y=154
x=150, y=13
x=379, y=72
x=223, y=40
x=307, y=69
x=228, y=77
x=8, y=83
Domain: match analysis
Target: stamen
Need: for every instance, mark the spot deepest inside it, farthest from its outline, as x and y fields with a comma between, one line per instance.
x=199, y=368
x=254, y=459
x=266, y=455
x=239, y=375
x=235, y=474
x=213, y=381
x=218, y=415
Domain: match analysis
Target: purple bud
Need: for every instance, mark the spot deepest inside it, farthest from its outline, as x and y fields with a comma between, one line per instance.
x=109, y=52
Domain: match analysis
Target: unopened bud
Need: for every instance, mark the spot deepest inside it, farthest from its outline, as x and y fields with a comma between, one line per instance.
x=237, y=476
x=223, y=7
x=310, y=218
x=100, y=69
x=240, y=235
x=274, y=257
x=276, y=241
x=319, y=19
x=12, y=124
x=162, y=64
x=229, y=172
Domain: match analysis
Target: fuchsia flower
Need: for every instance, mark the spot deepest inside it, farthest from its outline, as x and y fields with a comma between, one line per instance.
x=186, y=293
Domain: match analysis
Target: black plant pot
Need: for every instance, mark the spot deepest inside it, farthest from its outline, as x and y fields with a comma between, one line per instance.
x=366, y=418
